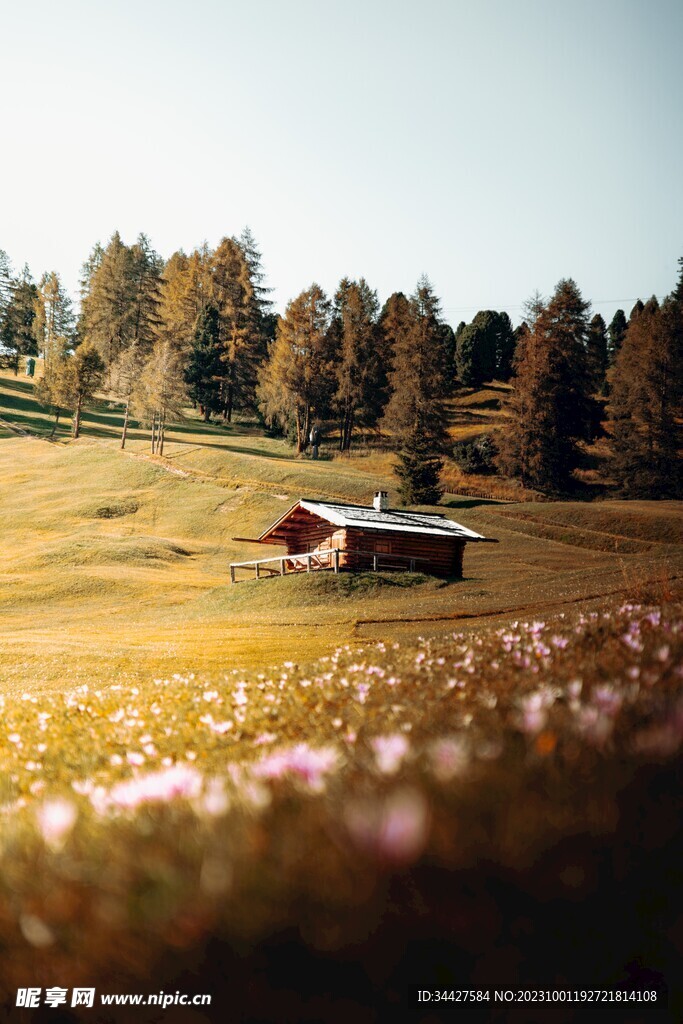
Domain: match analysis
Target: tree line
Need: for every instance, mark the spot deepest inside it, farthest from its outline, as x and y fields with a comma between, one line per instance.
x=201, y=328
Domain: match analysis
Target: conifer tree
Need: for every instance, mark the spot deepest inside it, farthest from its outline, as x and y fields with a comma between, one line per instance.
x=80, y=377
x=108, y=304
x=550, y=411
x=485, y=349
x=70, y=382
x=146, y=268
x=360, y=367
x=419, y=468
x=252, y=255
x=243, y=343
x=646, y=402
x=419, y=378
x=17, y=328
x=617, y=331
x=203, y=373
x=53, y=323
x=297, y=381
x=184, y=294
x=596, y=352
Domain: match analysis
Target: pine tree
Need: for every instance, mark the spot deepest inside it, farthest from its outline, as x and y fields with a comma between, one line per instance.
x=17, y=329
x=81, y=375
x=54, y=323
x=296, y=383
x=70, y=382
x=419, y=468
x=646, y=402
x=252, y=255
x=243, y=342
x=617, y=331
x=485, y=349
x=146, y=268
x=108, y=304
x=360, y=367
x=203, y=373
x=184, y=294
x=419, y=378
x=596, y=353
x=550, y=411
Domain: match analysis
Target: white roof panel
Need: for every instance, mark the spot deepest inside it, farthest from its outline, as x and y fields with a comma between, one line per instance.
x=369, y=518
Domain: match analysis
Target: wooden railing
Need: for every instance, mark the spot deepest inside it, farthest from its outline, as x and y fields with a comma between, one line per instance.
x=314, y=561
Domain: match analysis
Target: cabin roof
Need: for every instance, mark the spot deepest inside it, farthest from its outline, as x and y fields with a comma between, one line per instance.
x=367, y=517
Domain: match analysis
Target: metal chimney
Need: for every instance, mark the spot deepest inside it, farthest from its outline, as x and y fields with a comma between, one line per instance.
x=381, y=501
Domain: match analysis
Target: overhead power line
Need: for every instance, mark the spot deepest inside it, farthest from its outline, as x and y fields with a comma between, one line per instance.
x=520, y=305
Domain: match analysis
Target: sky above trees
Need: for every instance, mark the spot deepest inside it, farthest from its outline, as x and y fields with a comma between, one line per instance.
x=496, y=147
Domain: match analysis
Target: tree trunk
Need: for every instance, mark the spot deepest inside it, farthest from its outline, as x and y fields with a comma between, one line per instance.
x=77, y=419
x=54, y=427
x=162, y=430
x=154, y=427
x=125, y=425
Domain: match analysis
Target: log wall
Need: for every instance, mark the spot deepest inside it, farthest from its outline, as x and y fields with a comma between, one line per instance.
x=443, y=555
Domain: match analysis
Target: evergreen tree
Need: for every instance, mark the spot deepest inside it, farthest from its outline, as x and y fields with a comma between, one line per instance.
x=53, y=323
x=550, y=411
x=252, y=255
x=360, y=367
x=617, y=331
x=146, y=268
x=596, y=352
x=70, y=382
x=243, y=343
x=17, y=327
x=646, y=402
x=80, y=377
x=638, y=308
x=419, y=378
x=108, y=304
x=485, y=349
x=203, y=373
x=419, y=468
x=184, y=294
x=296, y=383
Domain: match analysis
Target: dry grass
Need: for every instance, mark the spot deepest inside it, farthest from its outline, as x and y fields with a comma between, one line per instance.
x=166, y=795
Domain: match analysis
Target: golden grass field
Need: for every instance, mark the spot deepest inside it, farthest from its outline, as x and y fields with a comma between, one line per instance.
x=114, y=565
x=311, y=795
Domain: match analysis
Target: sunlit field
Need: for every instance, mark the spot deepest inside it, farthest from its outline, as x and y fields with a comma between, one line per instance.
x=391, y=781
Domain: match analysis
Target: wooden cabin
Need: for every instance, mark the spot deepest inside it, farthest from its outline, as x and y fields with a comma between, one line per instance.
x=330, y=535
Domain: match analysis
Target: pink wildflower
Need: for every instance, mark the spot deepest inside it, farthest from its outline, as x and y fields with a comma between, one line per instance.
x=393, y=830
x=56, y=818
x=301, y=762
x=389, y=752
x=181, y=781
x=448, y=758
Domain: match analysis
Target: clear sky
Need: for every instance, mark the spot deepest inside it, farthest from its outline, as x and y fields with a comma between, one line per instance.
x=496, y=145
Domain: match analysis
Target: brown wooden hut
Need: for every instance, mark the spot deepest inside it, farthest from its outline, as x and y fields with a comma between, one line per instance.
x=331, y=535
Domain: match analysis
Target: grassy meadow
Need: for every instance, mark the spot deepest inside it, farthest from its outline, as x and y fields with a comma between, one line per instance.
x=389, y=782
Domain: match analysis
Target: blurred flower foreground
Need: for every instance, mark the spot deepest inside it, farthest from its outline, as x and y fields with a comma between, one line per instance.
x=471, y=811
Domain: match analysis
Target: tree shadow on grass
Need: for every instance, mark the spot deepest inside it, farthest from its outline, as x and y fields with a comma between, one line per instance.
x=472, y=502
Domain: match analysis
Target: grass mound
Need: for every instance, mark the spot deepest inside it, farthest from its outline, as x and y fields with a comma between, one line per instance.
x=112, y=510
